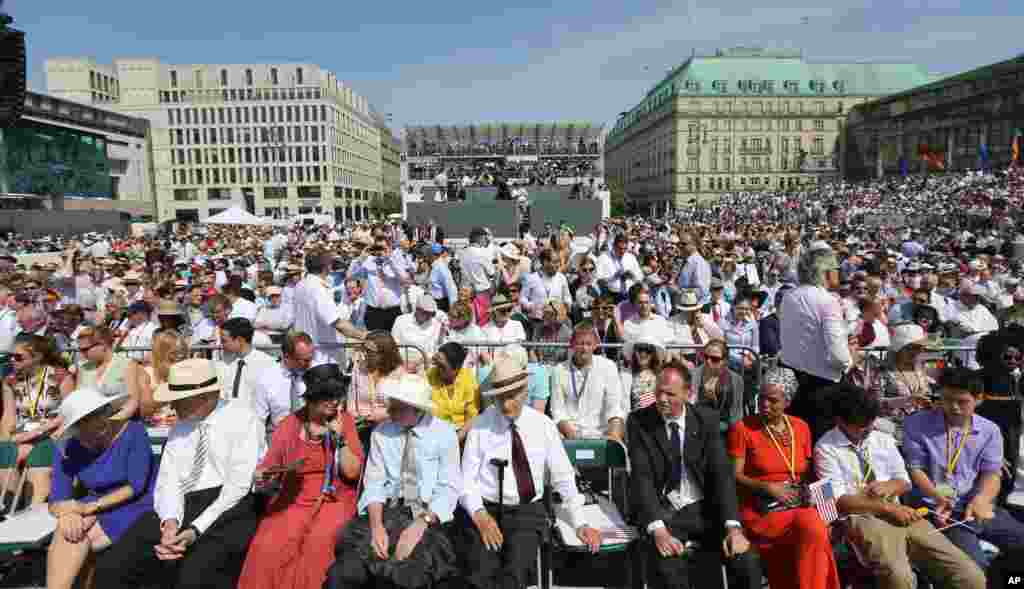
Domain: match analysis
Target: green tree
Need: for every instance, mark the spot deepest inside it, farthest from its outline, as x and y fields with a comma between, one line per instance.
x=618, y=204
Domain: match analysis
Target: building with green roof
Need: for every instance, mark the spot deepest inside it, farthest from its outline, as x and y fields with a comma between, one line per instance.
x=742, y=119
x=959, y=122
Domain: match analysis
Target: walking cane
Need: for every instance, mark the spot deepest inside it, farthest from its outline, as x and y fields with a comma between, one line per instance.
x=500, y=463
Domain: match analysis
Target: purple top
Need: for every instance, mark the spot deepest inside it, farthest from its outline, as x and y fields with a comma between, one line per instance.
x=924, y=446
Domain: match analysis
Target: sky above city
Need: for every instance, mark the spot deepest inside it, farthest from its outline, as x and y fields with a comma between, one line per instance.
x=459, y=61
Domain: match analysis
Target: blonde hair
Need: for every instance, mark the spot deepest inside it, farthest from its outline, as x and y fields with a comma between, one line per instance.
x=165, y=344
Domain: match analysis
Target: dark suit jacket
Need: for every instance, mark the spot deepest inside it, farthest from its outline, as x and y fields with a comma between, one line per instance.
x=703, y=456
x=1007, y=415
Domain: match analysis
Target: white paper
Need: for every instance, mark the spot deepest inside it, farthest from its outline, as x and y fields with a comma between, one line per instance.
x=30, y=526
x=603, y=516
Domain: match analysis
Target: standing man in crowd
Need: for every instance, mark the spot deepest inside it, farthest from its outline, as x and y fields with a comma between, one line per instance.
x=618, y=269
x=386, y=276
x=315, y=310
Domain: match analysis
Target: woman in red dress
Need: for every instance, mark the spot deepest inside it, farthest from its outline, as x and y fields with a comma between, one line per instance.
x=772, y=453
x=316, y=454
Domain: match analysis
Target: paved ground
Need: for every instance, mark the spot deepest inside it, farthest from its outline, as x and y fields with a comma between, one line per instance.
x=581, y=572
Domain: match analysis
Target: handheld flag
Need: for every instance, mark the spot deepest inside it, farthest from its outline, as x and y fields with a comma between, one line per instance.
x=824, y=500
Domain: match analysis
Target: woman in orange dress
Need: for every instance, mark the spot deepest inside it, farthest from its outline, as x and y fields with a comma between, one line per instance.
x=317, y=456
x=772, y=454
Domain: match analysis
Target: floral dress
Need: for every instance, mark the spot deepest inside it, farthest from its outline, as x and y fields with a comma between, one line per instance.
x=36, y=398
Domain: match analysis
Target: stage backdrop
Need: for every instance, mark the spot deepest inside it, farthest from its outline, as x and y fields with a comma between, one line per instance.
x=458, y=218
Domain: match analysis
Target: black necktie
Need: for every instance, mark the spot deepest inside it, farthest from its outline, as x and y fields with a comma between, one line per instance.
x=238, y=379
x=676, y=476
x=521, y=468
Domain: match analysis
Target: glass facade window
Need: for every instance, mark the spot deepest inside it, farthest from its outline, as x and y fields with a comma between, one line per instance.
x=41, y=159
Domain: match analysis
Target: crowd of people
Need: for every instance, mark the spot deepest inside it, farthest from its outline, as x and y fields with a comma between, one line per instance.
x=346, y=406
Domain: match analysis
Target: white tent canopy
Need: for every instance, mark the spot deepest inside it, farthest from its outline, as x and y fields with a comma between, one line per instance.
x=235, y=216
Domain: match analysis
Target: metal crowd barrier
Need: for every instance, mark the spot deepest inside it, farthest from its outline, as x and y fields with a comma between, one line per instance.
x=542, y=350
x=876, y=360
x=210, y=352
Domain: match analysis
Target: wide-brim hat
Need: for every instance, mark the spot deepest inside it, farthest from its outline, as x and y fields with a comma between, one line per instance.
x=501, y=301
x=77, y=405
x=688, y=301
x=906, y=335
x=188, y=378
x=412, y=389
x=507, y=376
x=168, y=309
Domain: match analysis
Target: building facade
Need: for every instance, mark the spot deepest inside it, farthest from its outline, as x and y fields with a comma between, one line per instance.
x=276, y=139
x=390, y=162
x=561, y=152
x=965, y=121
x=63, y=154
x=741, y=119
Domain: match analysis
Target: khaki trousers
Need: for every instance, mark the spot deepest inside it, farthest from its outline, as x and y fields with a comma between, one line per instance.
x=891, y=550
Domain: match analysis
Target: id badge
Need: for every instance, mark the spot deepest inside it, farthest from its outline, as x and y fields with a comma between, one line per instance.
x=675, y=499
x=31, y=426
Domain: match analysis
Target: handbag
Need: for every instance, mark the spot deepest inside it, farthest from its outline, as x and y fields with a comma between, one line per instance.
x=766, y=503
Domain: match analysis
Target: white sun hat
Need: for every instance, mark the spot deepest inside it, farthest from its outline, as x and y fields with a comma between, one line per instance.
x=77, y=405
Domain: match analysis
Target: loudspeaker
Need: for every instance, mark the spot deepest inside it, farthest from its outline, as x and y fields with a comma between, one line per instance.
x=12, y=76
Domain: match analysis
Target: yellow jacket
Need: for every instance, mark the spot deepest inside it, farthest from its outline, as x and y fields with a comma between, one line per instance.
x=458, y=403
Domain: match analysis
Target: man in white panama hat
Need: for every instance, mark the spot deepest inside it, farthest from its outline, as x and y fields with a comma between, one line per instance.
x=498, y=554
x=204, y=514
x=411, y=486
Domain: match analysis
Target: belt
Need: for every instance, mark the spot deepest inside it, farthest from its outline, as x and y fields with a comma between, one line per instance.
x=383, y=308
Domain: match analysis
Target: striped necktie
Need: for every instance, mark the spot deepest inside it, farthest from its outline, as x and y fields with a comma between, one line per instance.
x=202, y=447
x=409, y=486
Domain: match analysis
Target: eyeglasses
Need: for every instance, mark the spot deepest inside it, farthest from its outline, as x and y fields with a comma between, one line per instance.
x=710, y=358
x=586, y=269
x=743, y=308
x=18, y=357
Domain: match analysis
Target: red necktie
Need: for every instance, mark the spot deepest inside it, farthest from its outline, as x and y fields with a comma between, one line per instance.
x=867, y=334
x=714, y=312
x=521, y=468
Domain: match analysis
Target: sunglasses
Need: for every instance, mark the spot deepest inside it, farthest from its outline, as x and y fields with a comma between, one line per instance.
x=586, y=269
x=18, y=357
x=710, y=358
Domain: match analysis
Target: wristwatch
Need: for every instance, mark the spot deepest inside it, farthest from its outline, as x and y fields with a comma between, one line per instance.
x=429, y=518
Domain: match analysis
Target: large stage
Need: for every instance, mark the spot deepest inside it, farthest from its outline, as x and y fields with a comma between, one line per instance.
x=502, y=216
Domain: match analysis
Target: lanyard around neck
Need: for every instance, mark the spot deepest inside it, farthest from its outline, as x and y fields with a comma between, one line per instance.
x=791, y=463
x=572, y=379
x=951, y=461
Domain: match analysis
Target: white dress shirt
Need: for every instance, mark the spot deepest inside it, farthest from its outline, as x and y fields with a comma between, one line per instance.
x=835, y=457
x=477, y=265
x=654, y=327
x=8, y=329
x=315, y=311
x=277, y=391
x=490, y=437
x=256, y=362
x=426, y=336
x=588, y=398
x=235, y=443
x=813, y=333
x=277, y=318
x=613, y=270
x=539, y=288
x=688, y=492
x=140, y=336
x=511, y=332
x=244, y=309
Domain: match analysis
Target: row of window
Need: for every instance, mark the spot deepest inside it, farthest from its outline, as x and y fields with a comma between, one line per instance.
x=766, y=86
x=249, y=155
x=266, y=175
x=697, y=131
x=238, y=95
x=275, y=193
x=273, y=77
x=256, y=114
x=104, y=83
x=248, y=135
x=759, y=182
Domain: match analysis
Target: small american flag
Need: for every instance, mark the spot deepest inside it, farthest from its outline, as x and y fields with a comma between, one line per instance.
x=617, y=535
x=824, y=500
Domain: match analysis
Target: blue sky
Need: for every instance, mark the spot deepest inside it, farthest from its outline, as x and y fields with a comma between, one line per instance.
x=458, y=61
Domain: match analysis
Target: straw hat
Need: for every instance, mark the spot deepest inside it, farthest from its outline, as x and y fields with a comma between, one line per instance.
x=688, y=301
x=78, y=405
x=411, y=389
x=188, y=378
x=500, y=301
x=168, y=309
x=507, y=376
x=907, y=335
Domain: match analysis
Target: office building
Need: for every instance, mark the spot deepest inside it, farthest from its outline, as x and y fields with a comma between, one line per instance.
x=277, y=139
x=741, y=119
x=65, y=155
x=962, y=122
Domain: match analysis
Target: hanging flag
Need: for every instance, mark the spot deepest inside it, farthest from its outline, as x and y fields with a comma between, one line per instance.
x=1016, y=144
x=904, y=167
x=824, y=500
x=983, y=154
